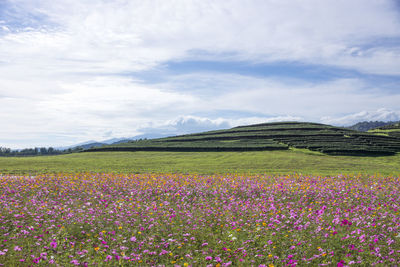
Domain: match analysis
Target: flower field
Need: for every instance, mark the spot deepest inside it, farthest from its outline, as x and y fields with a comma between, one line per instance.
x=192, y=220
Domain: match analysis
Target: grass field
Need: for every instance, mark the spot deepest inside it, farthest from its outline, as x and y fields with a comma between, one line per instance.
x=260, y=162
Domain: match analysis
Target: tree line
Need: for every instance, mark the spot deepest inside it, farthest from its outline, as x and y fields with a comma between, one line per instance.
x=37, y=151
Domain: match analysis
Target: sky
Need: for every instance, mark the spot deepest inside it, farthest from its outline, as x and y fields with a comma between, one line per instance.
x=73, y=71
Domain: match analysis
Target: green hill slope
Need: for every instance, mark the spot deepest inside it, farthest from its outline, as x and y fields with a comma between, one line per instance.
x=392, y=130
x=272, y=136
x=365, y=126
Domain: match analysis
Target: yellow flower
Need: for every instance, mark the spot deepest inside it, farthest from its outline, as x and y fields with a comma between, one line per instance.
x=270, y=256
x=271, y=265
x=186, y=264
x=96, y=248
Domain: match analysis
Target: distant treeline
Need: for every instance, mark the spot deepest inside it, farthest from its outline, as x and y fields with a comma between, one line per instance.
x=37, y=151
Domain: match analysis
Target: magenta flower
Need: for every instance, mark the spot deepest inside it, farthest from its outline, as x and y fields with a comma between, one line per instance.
x=53, y=244
x=341, y=263
x=75, y=262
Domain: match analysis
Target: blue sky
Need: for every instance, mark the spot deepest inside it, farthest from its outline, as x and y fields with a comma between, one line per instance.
x=72, y=71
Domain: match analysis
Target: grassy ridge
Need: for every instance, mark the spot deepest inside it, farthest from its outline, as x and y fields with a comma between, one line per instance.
x=272, y=136
x=392, y=130
x=256, y=162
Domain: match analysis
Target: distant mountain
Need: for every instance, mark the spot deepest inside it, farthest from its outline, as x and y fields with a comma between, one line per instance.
x=364, y=126
x=112, y=141
x=76, y=145
x=90, y=145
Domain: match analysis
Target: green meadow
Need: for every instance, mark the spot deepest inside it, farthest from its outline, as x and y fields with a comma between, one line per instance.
x=256, y=162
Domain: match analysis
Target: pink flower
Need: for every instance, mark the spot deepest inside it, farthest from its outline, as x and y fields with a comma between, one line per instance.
x=17, y=248
x=53, y=244
x=341, y=263
x=208, y=258
x=75, y=262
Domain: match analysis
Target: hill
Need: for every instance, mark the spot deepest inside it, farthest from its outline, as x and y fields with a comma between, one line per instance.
x=392, y=130
x=365, y=126
x=271, y=136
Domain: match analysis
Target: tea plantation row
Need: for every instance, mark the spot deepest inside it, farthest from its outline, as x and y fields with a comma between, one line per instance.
x=272, y=136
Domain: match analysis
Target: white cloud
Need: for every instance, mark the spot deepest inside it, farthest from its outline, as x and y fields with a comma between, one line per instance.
x=114, y=36
x=382, y=114
x=381, y=60
x=275, y=97
x=195, y=124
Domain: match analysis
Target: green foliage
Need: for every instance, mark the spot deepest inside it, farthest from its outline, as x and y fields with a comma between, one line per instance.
x=8, y=152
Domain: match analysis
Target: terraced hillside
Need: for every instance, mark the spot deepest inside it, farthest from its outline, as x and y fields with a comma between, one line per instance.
x=392, y=130
x=272, y=136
